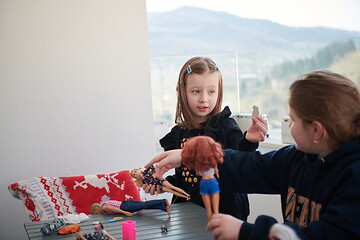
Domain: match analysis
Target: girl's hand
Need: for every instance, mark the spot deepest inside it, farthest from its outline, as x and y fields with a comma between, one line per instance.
x=165, y=161
x=152, y=189
x=224, y=227
x=257, y=130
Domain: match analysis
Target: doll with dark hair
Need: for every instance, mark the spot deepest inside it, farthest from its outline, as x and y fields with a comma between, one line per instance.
x=203, y=154
x=143, y=176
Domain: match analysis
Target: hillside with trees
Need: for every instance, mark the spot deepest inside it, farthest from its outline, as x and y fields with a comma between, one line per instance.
x=324, y=58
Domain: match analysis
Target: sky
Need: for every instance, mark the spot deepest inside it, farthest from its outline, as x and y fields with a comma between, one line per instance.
x=341, y=14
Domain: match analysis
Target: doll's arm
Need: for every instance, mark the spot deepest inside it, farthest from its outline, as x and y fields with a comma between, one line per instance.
x=114, y=209
x=80, y=235
x=108, y=235
x=139, y=183
x=216, y=171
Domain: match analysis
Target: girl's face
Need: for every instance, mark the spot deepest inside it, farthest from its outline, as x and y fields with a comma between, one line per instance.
x=202, y=92
x=301, y=132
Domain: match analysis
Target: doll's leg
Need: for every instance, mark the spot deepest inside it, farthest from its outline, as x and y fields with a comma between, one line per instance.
x=181, y=191
x=168, y=208
x=131, y=206
x=135, y=206
x=165, y=189
x=207, y=203
x=177, y=189
x=215, y=199
x=160, y=204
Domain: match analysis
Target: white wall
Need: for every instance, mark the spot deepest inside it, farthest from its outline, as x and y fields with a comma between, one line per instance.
x=74, y=93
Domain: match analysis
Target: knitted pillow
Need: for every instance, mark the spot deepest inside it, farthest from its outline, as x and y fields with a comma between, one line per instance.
x=46, y=198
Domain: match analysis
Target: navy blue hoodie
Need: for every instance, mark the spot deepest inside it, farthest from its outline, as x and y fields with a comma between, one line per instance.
x=320, y=198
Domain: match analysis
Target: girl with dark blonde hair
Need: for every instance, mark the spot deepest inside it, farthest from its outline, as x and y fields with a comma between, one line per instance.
x=198, y=112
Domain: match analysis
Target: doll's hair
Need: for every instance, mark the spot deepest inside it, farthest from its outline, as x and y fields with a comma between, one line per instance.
x=195, y=65
x=331, y=99
x=202, y=153
x=94, y=206
x=138, y=181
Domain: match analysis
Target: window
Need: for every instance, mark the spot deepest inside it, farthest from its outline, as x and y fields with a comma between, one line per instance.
x=252, y=78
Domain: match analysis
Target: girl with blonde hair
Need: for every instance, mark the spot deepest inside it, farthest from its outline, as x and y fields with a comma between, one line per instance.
x=198, y=112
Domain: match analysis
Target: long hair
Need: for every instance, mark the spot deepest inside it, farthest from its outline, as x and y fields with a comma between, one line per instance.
x=94, y=206
x=331, y=99
x=202, y=153
x=198, y=65
x=138, y=181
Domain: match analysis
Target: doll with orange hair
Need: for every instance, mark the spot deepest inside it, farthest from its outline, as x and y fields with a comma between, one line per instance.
x=143, y=176
x=202, y=153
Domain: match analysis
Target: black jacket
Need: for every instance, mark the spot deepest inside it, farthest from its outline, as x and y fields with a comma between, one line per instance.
x=226, y=131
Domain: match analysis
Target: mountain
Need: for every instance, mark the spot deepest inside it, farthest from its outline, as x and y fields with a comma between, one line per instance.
x=192, y=31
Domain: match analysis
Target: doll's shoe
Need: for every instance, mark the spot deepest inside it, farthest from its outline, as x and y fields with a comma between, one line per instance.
x=56, y=225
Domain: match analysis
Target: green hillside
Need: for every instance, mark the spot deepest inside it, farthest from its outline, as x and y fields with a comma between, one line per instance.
x=349, y=66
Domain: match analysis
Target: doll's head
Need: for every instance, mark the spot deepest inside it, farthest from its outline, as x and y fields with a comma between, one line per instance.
x=96, y=208
x=136, y=174
x=202, y=153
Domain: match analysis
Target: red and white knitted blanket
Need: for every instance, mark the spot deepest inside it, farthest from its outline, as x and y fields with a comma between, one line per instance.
x=46, y=198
